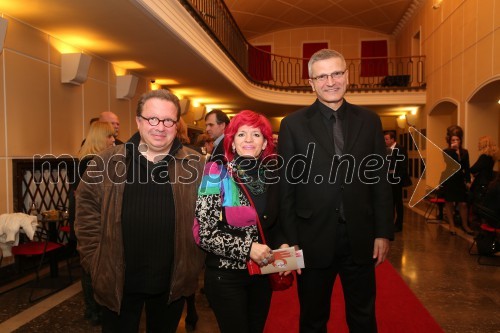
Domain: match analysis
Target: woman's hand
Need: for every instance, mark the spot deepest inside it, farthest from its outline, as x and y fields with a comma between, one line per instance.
x=261, y=254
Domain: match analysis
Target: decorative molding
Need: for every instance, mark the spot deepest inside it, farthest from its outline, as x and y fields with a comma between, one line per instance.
x=410, y=12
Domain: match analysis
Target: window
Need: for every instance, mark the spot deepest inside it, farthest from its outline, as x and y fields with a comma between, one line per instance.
x=374, y=49
x=308, y=49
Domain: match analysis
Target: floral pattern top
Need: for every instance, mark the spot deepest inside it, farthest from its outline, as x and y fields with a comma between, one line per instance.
x=229, y=244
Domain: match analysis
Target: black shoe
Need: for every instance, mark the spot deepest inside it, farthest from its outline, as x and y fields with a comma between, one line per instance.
x=95, y=319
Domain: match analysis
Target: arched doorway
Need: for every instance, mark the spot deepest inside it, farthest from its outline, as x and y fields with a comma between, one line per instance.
x=482, y=116
x=440, y=117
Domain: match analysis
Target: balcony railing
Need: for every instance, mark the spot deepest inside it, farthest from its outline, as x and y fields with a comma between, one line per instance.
x=289, y=73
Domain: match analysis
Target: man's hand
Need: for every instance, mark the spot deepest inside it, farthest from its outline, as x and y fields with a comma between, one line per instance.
x=380, y=250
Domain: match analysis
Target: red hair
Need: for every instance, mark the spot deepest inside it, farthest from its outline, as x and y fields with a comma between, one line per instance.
x=252, y=119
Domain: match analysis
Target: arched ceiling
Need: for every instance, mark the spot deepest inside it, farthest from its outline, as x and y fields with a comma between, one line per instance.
x=120, y=30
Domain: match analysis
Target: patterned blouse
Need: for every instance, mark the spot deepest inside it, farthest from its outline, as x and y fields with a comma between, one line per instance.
x=231, y=245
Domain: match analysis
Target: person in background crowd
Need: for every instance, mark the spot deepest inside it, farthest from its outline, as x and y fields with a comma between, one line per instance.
x=134, y=215
x=112, y=118
x=216, y=122
x=99, y=137
x=240, y=301
x=183, y=136
x=191, y=315
x=455, y=187
x=343, y=228
x=206, y=143
x=398, y=168
x=482, y=170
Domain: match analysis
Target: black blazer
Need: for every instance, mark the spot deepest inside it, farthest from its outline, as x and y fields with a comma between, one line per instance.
x=218, y=154
x=309, y=208
x=401, y=170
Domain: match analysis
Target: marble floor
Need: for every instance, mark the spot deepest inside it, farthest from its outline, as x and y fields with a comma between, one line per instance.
x=463, y=296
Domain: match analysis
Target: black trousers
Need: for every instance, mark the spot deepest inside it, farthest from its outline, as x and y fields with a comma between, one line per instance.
x=397, y=198
x=160, y=316
x=239, y=301
x=315, y=288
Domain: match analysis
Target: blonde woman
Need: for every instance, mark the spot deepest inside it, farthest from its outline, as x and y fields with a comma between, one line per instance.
x=482, y=170
x=99, y=137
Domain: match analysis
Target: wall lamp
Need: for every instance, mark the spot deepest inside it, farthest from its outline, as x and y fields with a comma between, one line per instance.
x=74, y=67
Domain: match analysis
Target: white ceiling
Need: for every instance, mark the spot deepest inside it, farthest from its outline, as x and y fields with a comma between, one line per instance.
x=119, y=30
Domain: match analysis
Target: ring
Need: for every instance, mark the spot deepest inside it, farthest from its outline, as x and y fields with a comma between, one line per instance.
x=265, y=261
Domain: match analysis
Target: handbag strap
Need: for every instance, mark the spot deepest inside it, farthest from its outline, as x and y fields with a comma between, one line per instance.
x=259, y=226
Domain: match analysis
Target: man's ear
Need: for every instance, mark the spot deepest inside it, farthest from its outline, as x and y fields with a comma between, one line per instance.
x=312, y=85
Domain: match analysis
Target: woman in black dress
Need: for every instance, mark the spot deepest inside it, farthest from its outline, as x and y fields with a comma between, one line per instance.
x=455, y=188
x=482, y=170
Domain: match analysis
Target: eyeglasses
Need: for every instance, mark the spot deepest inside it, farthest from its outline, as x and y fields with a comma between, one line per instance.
x=154, y=121
x=324, y=77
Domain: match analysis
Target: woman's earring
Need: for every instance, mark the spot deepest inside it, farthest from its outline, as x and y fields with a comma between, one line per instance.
x=234, y=150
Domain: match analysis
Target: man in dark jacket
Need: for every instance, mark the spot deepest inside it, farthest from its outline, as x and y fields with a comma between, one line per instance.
x=398, y=174
x=134, y=212
x=336, y=202
x=216, y=122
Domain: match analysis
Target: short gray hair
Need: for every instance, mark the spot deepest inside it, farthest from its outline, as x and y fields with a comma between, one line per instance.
x=324, y=54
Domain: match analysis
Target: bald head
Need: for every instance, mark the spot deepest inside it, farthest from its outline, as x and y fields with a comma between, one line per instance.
x=110, y=117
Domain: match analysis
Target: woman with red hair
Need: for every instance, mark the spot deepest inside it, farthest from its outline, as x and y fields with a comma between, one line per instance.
x=229, y=199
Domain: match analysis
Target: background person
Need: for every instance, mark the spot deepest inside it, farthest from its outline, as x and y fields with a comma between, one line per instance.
x=99, y=137
x=455, y=187
x=399, y=172
x=113, y=119
x=216, y=122
x=482, y=170
x=342, y=228
x=134, y=214
x=205, y=143
x=240, y=301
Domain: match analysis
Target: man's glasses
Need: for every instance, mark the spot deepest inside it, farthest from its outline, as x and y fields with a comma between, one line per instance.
x=154, y=121
x=324, y=77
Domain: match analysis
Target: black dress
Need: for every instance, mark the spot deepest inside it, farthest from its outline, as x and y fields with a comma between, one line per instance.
x=483, y=174
x=454, y=189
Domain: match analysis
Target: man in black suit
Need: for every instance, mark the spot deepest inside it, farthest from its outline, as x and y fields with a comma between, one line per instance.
x=216, y=122
x=398, y=175
x=336, y=202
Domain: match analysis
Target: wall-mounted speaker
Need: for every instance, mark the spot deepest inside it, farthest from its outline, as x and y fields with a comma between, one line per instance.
x=184, y=105
x=74, y=67
x=126, y=86
x=199, y=112
x=3, y=31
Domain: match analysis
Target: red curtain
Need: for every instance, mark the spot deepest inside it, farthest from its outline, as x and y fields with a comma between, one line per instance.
x=374, y=67
x=308, y=50
x=259, y=63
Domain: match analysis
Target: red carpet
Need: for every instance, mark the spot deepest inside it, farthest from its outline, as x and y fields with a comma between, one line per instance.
x=398, y=309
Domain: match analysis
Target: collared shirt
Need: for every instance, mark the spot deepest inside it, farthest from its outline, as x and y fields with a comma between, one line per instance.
x=218, y=140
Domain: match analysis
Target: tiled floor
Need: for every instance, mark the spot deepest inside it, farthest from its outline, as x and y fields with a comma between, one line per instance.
x=463, y=296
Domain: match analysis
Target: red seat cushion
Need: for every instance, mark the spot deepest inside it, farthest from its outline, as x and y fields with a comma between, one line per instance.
x=437, y=200
x=487, y=227
x=34, y=248
x=64, y=228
